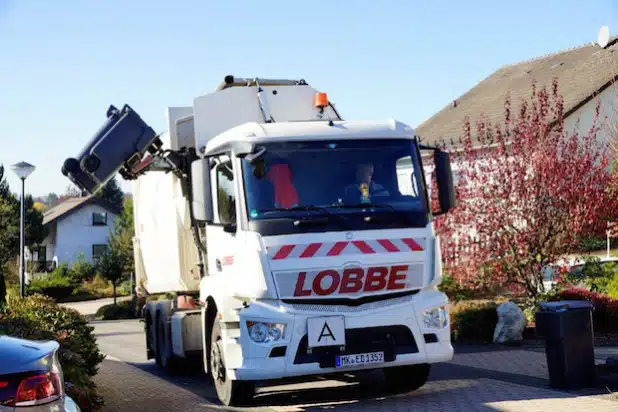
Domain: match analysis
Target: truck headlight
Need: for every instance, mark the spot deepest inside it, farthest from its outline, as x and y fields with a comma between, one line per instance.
x=435, y=318
x=262, y=332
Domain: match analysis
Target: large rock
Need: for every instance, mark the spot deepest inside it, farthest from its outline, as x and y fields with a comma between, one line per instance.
x=511, y=323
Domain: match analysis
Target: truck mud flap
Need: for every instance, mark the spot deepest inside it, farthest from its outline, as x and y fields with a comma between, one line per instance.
x=123, y=138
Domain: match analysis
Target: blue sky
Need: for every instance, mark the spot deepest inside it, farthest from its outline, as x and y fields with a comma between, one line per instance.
x=62, y=63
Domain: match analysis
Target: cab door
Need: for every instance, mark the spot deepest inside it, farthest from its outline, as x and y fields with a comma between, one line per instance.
x=221, y=239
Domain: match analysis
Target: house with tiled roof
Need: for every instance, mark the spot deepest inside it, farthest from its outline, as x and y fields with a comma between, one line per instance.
x=77, y=226
x=586, y=75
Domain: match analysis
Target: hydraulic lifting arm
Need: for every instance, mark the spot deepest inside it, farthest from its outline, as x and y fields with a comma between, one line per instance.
x=119, y=146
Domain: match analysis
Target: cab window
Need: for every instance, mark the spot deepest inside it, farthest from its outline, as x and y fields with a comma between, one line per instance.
x=226, y=196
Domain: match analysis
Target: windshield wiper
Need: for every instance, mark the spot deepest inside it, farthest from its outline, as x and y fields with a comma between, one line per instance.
x=306, y=208
x=366, y=206
x=373, y=218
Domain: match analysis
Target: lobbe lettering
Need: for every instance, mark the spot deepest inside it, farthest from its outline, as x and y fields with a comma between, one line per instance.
x=352, y=280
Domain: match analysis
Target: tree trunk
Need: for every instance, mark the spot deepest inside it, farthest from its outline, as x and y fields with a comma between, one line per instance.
x=114, y=285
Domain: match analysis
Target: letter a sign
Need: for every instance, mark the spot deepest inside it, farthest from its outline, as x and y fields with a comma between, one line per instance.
x=326, y=331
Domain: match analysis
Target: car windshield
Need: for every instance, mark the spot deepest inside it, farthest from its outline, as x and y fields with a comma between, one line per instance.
x=333, y=177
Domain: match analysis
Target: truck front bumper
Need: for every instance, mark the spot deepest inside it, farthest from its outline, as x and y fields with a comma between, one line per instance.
x=394, y=327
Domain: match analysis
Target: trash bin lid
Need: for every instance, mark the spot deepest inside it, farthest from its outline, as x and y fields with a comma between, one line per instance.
x=565, y=304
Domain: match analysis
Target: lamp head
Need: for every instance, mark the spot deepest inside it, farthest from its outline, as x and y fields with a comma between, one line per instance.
x=23, y=169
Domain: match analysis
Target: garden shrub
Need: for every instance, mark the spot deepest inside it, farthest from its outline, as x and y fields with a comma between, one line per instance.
x=81, y=270
x=592, y=243
x=57, y=285
x=593, y=275
x=612, y=287
x=454, y=290
x=474, y=321
x=124, y=288
x=123, y=310
x=38, y=317
x=605, y=313
x=12, y=290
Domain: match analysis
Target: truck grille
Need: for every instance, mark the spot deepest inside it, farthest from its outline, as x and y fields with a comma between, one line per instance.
x=360, y=304
x=334, y=308
x=393, y=340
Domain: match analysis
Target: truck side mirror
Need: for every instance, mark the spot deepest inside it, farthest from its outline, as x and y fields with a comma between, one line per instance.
x=200, y=188
x=444, y=178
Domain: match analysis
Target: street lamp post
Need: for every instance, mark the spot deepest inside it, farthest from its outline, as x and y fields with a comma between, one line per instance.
x=22, y=170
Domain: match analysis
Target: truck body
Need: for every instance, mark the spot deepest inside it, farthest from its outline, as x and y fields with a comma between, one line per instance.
x=295, y=242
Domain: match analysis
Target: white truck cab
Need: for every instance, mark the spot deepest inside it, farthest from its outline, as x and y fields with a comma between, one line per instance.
x=297, y=243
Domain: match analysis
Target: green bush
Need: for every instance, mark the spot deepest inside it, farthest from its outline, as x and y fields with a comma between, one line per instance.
x=123, y=310
x=38, y=317
x=454, y=290
x=594, y=275
x=12, y=291
x=124, y=288
x=57, y=285
x=592, y=243
x=81, y=270
x=474, y=321
x=612, y=287
x=61, y=270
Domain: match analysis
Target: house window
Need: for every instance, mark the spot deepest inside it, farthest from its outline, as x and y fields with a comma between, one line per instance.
x=98, y=251
x=226, y=198
x=99, y=219
x=41, y=253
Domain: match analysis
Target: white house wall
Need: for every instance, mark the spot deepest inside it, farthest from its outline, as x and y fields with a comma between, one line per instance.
x=75, y=234
x=608, y=116
x=50, y=245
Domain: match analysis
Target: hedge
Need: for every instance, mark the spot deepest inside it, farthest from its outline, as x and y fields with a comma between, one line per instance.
x=605, y=313
x=57, y=285
x=474, y=320
x=126, y=309
x=75, y=284
x=40, y=318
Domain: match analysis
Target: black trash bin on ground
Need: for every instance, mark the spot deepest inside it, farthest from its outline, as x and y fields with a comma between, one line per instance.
x=569, y=343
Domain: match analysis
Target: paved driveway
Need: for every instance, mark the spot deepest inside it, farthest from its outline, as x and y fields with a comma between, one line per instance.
x=90, y=307
x=477, y=380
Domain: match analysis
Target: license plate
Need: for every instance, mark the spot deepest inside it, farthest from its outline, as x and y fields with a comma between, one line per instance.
x=326, y=331
x=360, y=359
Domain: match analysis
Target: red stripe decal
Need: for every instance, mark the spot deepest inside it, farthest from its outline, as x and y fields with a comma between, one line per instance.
x=388, y=245
x=284, y=252
x=337, y=248
x=411, y=243
x=311, y=250
x=363, y=246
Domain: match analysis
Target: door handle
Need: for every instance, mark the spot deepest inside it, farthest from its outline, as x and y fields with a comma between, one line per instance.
x=218, y=264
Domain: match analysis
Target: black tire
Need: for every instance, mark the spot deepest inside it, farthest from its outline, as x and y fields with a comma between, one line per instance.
x=407, y=378
x=229, y=392
x=163, y=355
x=150, y=346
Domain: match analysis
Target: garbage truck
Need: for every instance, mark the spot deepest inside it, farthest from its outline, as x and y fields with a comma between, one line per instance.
x=290, y=241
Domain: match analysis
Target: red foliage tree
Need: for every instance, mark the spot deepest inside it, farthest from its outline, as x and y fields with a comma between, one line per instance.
x=527, y=192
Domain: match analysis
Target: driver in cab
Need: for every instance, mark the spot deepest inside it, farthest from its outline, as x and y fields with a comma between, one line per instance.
x=364, y=190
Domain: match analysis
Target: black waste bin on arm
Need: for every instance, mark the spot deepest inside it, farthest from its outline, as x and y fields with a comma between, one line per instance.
x=569, y=342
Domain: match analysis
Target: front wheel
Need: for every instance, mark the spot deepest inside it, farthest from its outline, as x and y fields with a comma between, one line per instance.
x=230, y=392
x=407, y=378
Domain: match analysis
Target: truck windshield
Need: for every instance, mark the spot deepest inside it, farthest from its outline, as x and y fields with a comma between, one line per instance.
x=291, y=180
